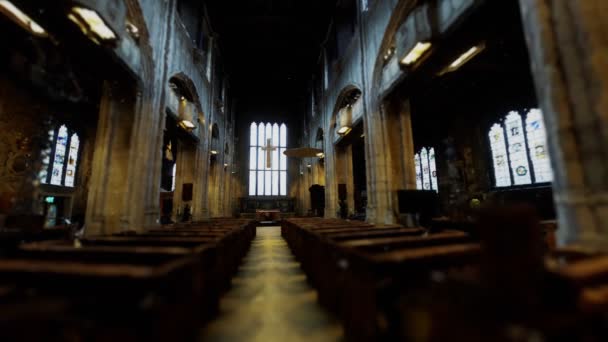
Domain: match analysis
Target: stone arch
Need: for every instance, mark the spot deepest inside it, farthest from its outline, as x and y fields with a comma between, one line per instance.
x=400, y=13
x=379, y=133
x=349, y=95
x=184, y=86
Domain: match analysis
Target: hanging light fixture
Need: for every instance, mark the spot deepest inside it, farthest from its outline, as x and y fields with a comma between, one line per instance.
x=91, y=24
x=22, y=19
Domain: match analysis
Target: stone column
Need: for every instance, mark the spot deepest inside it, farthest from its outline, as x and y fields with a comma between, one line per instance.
x=378, y=209
x=568, y=48
x=331, y=188
x=107, y=205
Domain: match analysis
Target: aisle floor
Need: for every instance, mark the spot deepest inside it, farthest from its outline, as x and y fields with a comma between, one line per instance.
x=270, y=299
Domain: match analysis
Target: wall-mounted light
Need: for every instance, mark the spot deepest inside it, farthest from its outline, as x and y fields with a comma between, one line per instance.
x=321, y=155
x=464, y=58
x=92, y=25
x=345, y=120
x=309, y=165
x=344, y=130
x=389, y=54
x=22, y=19
x=213, y=152
x=187, y=125
x=416, y=53
x=133, y=30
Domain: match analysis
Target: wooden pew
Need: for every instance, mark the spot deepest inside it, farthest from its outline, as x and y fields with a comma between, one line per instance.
x=135, y=301
x=354, y=264
x=176, y=276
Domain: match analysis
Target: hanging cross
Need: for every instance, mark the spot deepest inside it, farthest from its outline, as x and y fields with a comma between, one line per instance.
x=269, y=149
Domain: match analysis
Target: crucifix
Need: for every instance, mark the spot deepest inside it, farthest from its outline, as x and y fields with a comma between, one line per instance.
x=269, y=149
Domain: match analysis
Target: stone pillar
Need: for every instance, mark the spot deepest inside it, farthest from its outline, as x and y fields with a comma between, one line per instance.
x=378, y=209
x=568, y=48
x=331, y=188
x=107, y=205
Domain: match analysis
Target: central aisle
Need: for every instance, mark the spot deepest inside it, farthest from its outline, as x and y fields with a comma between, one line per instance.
x=270, y=299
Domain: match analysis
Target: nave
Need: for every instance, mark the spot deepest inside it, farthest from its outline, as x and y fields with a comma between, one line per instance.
x=437, y=169
x=270, y=299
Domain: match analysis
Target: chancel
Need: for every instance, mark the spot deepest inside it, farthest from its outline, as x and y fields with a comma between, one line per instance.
x=327, y=170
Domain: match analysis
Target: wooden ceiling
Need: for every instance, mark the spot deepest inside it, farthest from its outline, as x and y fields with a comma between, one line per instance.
x=270, y=45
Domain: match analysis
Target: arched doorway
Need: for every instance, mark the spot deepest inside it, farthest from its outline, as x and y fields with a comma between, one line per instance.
x=180, y=196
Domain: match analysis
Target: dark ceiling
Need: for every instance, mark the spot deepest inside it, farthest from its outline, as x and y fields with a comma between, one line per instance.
x=270, y=46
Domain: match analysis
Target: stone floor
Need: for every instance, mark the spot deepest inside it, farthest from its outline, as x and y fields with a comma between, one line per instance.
x=270, y=299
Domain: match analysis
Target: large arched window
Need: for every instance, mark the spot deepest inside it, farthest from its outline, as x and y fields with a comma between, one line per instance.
x=267, y=163
x=60, y=159
x=426, y=169
x=519, y=150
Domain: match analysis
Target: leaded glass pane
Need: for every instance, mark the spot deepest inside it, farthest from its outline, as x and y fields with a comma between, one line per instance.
x=499, y=156
x=70, y=175
x=418, y=171
x=283, y=158
x=283, y=136
x=261, y=158
x=253, y=139
x=60, y=155
x=252, y=179
x=517, y=149
x=426, y=171
x=275, y=183
x=268, y=184
x=283, y=183
x=260, y=183
x=537, y=145
x=433, y=169
x=46, y=158
x=264, y=180
x=261, y=135
x=252, y=158
x=174, y=174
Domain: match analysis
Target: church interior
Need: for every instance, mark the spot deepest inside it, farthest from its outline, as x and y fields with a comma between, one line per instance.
x=327, y=170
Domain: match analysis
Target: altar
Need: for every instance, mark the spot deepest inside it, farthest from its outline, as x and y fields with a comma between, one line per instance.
x=271, y=209
x=264, y=215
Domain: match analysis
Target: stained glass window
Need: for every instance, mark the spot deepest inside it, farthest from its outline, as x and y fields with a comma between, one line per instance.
x=502, y=175
x=60, y=160
x=537, y=146
x=70, y=172
x=418, y=171
x=426, y=169
x=518, y=155
x=433, y=169
x=525, y=145
x=43, y=176
x=267, y=163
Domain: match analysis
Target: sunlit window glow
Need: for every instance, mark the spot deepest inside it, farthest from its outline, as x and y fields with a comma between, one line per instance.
x=70, y=173
x=267, y=163
x=426, y=169
x=60, y=159
x=527, y=161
